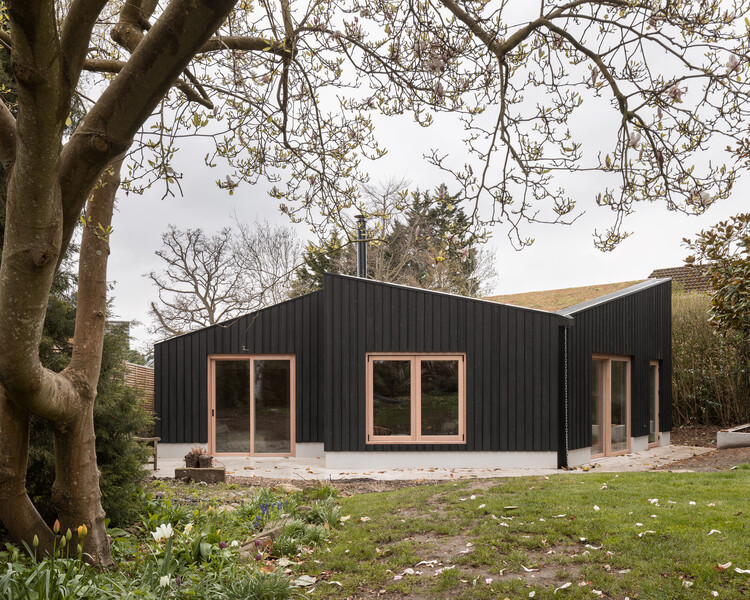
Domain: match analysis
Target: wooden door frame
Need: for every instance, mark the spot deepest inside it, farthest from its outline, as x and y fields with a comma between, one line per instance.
x=655, y=363
x=607, y=420
x=250, y=358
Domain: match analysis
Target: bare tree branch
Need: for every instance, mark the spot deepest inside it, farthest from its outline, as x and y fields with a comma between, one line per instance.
x=110, y=125
x=75, y=35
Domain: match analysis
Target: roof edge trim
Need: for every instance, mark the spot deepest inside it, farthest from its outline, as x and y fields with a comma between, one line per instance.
x=633, y=289
x=427, y=291
x=228, y=322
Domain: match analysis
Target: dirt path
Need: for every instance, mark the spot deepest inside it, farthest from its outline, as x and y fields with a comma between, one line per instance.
x=717, y=460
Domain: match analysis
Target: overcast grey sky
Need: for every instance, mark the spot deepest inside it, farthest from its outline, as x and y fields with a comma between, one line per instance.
x=562, y=256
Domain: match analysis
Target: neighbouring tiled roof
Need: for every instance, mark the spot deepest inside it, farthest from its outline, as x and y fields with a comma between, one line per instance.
x=555, y=300
x=684, y=278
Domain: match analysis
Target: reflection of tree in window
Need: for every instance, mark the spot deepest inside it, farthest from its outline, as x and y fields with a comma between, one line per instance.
x=272, y=406
x=233, y=406
x=391, y=386
x=439, y=383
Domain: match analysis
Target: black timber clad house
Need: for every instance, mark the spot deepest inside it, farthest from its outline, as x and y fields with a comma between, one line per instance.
x=375, y=374
x=634, y=323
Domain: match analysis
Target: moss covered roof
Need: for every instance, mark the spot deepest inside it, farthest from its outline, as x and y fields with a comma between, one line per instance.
x=554, y=300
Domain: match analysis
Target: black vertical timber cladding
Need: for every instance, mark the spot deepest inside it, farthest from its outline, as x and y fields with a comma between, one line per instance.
x=637, y=325
x=512, y=386
x=181, y=367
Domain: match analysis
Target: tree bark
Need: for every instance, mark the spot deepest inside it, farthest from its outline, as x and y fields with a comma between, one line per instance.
x=76, y=493
x=17, y=512
x=47, y=189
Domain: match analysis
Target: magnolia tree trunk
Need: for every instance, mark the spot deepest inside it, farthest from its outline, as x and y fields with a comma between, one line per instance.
x=75, y=494
x=49, y=186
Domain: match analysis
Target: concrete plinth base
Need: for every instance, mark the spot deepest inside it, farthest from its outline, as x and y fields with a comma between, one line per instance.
x=739, y=437
x=209, y=475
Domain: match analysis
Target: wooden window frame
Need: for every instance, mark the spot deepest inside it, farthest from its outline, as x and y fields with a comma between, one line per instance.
x=655, y=363
x=250, y=358
x=416, y=436
x=607, y=420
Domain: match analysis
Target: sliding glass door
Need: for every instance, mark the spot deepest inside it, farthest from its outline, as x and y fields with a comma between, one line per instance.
x=653, y=403
x=610, y=405
x=251, y=402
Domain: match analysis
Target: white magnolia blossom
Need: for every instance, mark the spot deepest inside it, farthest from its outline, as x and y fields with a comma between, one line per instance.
x=163, y=532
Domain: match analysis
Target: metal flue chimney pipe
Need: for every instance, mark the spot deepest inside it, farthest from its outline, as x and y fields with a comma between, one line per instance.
x=361, y=247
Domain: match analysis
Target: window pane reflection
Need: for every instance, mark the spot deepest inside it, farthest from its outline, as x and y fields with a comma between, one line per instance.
x=232, y=406
x=391, y=386
x=439, y=397
x=272, y=407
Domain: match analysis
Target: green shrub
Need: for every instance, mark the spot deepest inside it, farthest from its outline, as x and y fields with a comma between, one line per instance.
x=324, y=511
x=242, y=584
x=295, y=535
x=710, y=383
x=320, y=491
x=59, y=577
x=118, y=417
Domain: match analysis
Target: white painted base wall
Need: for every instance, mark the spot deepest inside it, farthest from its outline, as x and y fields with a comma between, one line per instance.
x=441, y=460
x=639, y=444
x=309, y=450
x=579, y=456
x=665, y=438
x=177, y=450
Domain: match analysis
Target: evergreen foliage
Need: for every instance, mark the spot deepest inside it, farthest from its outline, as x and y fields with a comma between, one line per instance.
x=709, y=370
x=424, y=241
x=118, y=416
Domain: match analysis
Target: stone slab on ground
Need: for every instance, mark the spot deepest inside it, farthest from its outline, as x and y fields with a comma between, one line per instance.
x=205, y=475
x=737, y=437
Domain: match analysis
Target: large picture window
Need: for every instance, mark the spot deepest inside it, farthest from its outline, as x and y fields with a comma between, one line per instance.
x=416, y=398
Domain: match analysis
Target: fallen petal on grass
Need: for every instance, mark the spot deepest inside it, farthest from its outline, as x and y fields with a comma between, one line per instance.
x=564, y=586
x=304, y=581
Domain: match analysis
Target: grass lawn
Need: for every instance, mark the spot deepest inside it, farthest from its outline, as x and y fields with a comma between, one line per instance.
x=636, y=535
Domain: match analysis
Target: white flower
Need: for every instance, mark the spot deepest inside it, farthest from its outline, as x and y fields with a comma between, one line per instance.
x=635, y=139
x=163, y=532
x=676, y=93
x=234, y=544
x=188, y=528
x=164, y=581
x=733, y=64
